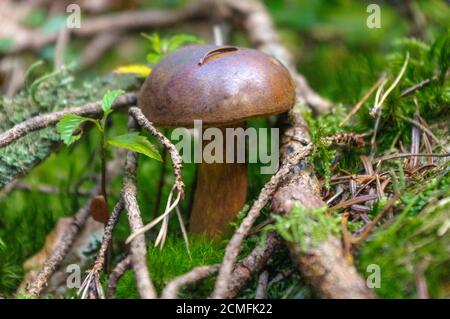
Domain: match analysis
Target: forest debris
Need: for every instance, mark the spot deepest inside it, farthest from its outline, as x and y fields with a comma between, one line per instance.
x=417, y=86
x=196, y=274
x=252, y=264
x=234, y=246
x=138, y=246
x=261, y=289
x=115, y=276
x=363, y=100
x=402, y=155
x=92, y=279
x=349, y=139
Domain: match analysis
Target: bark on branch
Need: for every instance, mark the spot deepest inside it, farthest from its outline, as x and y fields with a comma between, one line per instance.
x=46, y=120
x=138, y=246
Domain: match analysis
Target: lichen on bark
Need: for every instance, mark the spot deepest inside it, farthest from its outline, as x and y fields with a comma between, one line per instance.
x=56, y=93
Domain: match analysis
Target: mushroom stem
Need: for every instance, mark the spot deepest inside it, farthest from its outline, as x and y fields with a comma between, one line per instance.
x=220, y=194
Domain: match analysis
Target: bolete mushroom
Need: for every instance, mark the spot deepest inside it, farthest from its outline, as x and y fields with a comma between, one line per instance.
x=223, y=86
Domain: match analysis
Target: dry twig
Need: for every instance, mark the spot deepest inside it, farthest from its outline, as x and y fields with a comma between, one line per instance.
x=261, y=289
x=115, y=276
x=138, y=246
x=193, y=276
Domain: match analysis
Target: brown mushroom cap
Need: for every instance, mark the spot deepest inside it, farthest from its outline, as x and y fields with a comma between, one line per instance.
x=218, y=85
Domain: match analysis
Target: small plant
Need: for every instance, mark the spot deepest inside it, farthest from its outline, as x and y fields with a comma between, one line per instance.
x=162, y=46
x=70, y=130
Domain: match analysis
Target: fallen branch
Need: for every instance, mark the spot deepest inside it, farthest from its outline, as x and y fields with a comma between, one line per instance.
x=115, y=276
x=92, y=279
x=234, y=246
x=261, y=289
x=252, y=264
x=196, y=274
x=32, y=40
x=138, y=246
x=324, y=266
x=46, y=120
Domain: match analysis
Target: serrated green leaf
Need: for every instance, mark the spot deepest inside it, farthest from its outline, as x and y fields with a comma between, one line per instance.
x=108, y=100
x=67, y=126
x=136, y=143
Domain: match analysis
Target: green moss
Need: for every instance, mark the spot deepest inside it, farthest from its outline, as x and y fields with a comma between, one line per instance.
x=417, y=239
x=306, y=227
x=172, y=261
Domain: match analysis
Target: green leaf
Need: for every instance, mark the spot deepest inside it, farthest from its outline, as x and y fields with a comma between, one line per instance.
x=68, y=125
x=108, y=100
x=154, y=58
x=181, y=39
x=136, y=143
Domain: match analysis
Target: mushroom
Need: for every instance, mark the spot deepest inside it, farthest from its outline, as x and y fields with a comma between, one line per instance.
x=223, y=86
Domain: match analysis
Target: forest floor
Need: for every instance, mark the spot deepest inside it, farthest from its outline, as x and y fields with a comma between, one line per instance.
x=380, y=154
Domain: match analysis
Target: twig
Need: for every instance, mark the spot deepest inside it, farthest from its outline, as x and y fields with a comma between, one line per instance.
x=138, y=247
x=261, y=289
x=402, y=155
x=196, y=274
x=234, y=246
x=115, y=276
x=419, y=125
x=252, y=264
x=45, y=120
x=417, y=87
x=175, y=156
x=352, y=201
x=178, y=186
x=117, y=22
x=363, y=100
x=365, y=233
x=99, y=263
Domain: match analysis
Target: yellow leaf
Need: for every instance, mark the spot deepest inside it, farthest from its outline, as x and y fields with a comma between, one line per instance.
x=141, y=70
